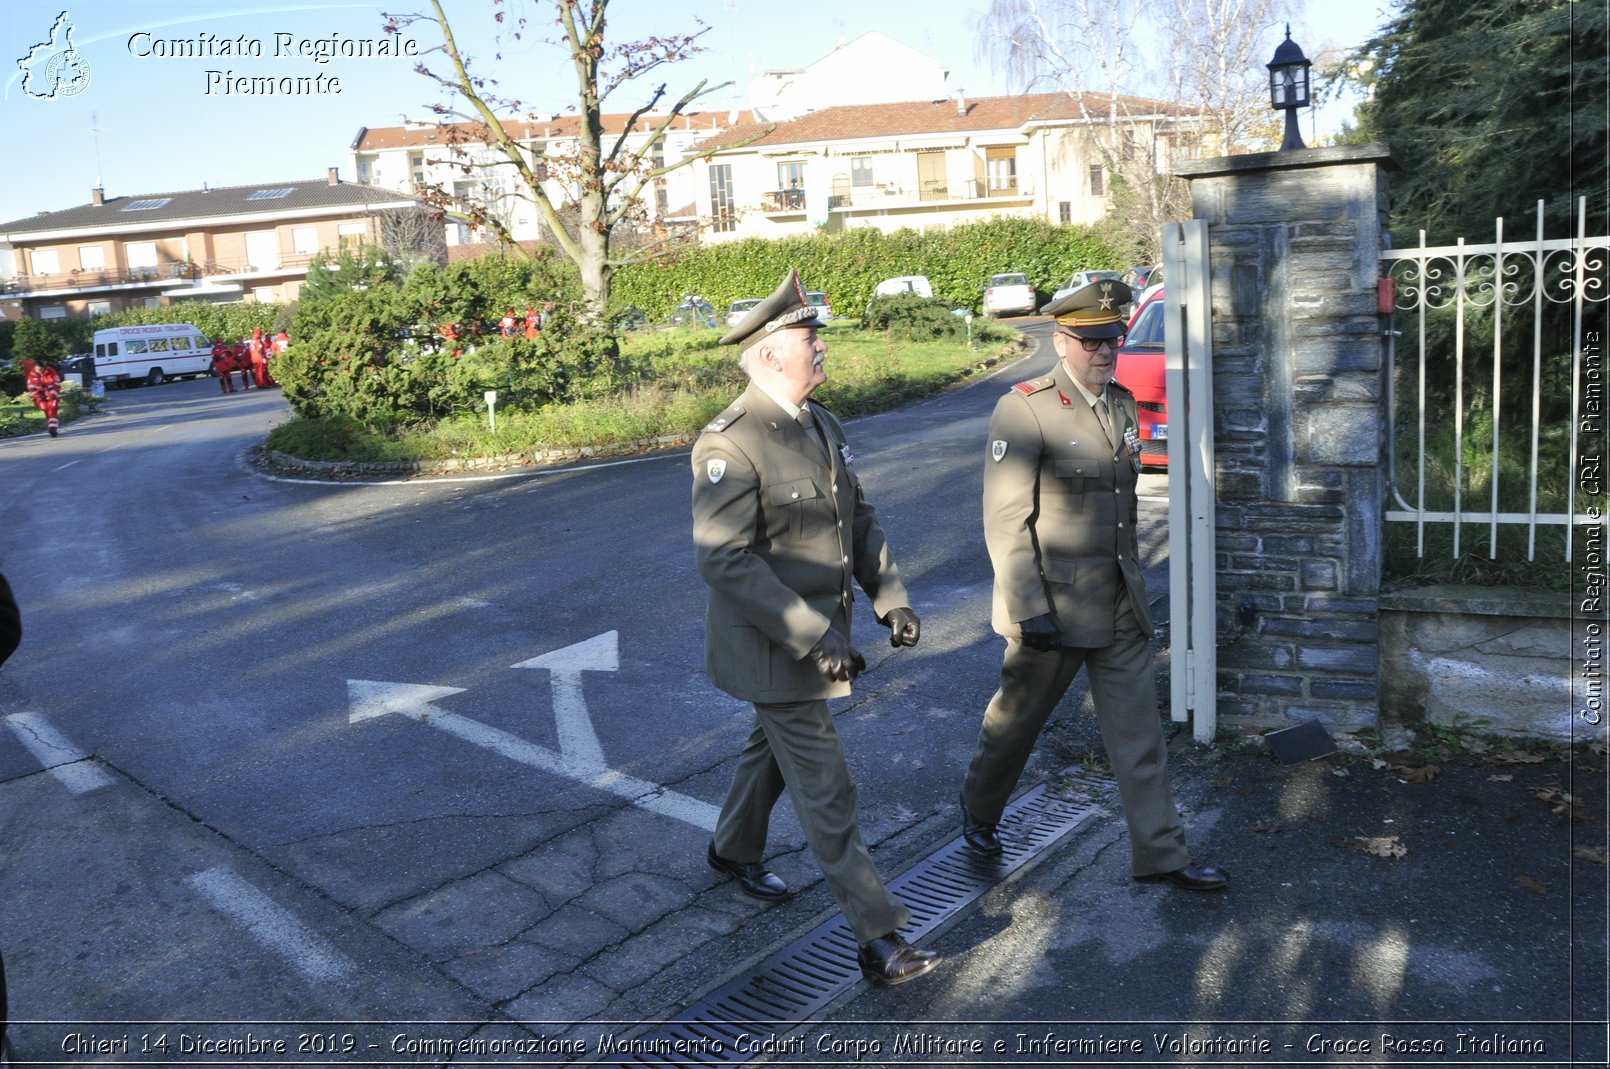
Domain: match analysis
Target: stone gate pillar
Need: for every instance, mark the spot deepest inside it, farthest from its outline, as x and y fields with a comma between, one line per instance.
x=1299, y=429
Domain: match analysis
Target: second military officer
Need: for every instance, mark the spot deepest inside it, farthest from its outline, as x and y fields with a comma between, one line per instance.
x=1059, y=521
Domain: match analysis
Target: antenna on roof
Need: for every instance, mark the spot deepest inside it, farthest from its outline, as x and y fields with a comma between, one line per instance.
x=95, y=132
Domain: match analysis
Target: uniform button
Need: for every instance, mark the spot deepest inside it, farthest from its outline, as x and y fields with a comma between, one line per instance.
x=841, y=523
x=846, y=560
x=835, y=488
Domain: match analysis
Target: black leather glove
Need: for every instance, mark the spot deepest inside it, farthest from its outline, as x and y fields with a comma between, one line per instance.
x=836, y=659
x=904, y=627
x=1041, y=632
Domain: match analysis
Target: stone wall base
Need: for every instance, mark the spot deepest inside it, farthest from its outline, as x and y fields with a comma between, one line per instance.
x=1493, y=661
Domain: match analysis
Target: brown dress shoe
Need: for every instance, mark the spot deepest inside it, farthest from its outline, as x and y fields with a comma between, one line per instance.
x=754, y=879
x=891, y=960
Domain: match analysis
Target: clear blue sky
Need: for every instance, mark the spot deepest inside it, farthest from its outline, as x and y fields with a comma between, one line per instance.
x=150, y=124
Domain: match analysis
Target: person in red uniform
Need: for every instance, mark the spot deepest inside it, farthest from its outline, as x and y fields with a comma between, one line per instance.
x=44, y=389
x=533, y=324
x=241, y=363
x=259, y=361
x=222, y=367
x=506, y=324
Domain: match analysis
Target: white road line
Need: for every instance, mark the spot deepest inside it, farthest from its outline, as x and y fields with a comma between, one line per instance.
x=271, y=924
x=69, y=764
x=69, y=464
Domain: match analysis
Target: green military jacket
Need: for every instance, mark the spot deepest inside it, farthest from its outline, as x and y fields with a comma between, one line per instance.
x=1060, y=510
x=780, y=528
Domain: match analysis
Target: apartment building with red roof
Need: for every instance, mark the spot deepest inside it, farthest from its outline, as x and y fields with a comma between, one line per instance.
x=929, y=164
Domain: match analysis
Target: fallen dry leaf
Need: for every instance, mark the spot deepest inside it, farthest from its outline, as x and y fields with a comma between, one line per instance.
x=1501, y=777
x=1418, y=773
x=1591, y=853
x=1381, y=845
x=1560, y=803
x=1517, y=757
x=1477, y=746
x=1537, y=887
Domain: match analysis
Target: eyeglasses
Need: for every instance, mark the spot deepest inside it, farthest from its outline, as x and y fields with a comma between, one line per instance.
x=1091, y=345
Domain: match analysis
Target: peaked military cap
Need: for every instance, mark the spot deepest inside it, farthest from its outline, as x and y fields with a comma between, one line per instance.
x=1095, y=310
x=786, y=307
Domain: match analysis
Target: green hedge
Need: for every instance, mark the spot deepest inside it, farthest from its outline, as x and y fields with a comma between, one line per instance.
x=847, y=266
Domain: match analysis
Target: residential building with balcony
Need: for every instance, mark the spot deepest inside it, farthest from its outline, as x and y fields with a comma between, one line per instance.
x=461, y=160
x=241, y=243
x=928, y=164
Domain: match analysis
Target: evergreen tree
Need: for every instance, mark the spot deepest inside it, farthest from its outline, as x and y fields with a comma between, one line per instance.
x=1491, y=106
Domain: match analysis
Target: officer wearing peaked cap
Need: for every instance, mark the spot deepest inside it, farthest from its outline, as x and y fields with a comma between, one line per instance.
x=1059, y=521
x=780, y=529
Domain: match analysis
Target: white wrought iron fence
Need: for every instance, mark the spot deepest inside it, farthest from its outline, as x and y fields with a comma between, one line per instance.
x=1467, y=289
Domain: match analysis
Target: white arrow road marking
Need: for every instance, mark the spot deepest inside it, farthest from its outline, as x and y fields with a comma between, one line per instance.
x=373, y=698
x=271, y=924
x=577, y=739
x=69, y=764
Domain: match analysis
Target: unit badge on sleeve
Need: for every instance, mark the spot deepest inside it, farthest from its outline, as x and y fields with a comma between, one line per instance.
x=715, y=469
x=997, y=450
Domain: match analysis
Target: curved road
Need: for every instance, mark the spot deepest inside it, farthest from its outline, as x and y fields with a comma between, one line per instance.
x=432, y=750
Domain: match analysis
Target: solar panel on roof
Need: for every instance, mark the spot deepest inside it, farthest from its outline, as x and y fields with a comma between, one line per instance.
x=141, y=205
x=270, y=194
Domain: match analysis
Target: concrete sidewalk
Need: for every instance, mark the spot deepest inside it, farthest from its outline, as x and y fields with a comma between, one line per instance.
x=1445, y=904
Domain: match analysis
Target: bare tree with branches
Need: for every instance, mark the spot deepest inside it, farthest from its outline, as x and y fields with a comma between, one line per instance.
x=1203, y=94
x=582, y=195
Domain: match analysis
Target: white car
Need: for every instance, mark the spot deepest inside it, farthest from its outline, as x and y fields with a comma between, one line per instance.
x=1008, y=293
x=818, y=301
x=1079, y=280
x=738, y=309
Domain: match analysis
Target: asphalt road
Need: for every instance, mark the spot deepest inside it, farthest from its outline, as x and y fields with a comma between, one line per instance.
x=432, y=750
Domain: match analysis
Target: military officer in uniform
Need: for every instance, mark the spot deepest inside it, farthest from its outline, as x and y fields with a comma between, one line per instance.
x=780, y=528
x=1059, y=522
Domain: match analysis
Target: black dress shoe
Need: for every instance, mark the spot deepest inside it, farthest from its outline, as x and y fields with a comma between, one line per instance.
x=891, y=960
x=754, y=879
x=1192, y=878
x=980, y=836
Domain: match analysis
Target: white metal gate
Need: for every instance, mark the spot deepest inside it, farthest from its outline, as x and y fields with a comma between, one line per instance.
x=1192, y=569
x=1537, y=278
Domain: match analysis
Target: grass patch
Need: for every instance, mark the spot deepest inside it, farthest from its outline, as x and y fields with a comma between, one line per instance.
x=688, y=379
x=19, y=416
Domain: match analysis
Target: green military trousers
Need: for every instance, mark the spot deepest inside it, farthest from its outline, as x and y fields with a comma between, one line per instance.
x=1123, y=684
x=796, y=745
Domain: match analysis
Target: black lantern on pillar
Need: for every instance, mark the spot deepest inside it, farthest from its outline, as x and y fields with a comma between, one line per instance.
x=1289, y=87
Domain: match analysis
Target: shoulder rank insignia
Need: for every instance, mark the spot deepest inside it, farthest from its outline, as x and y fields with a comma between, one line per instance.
x=725, y=420
x=1034, y=385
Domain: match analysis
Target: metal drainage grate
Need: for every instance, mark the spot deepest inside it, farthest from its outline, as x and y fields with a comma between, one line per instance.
x=783, y=991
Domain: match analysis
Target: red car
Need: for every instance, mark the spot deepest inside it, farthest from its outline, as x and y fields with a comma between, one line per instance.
x=1140, y=369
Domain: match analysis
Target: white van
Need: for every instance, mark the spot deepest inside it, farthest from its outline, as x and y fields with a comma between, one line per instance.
x=152, y=353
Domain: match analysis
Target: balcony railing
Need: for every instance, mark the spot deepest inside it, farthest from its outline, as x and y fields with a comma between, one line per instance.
x=783, y=200
x=892, y=194
x=153, y=275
